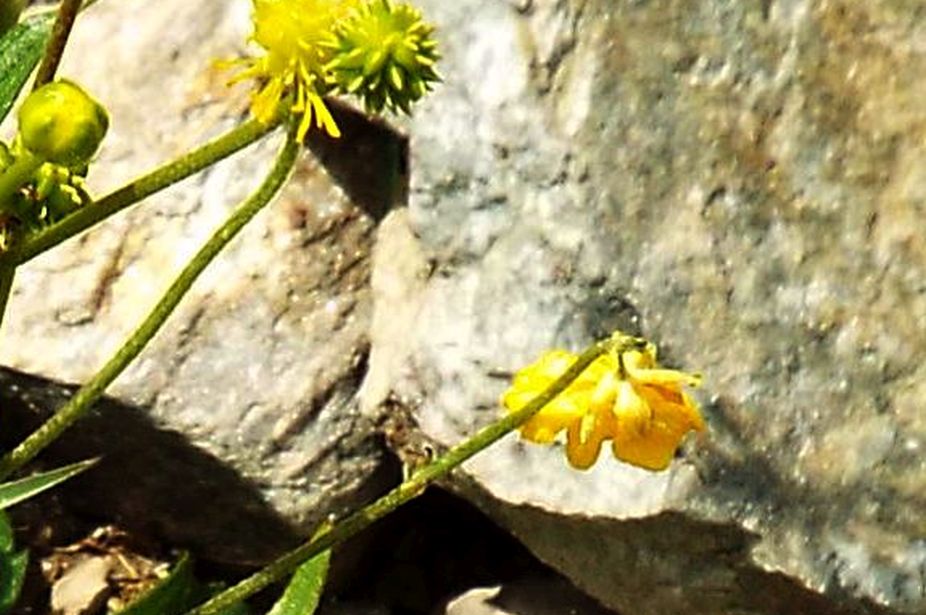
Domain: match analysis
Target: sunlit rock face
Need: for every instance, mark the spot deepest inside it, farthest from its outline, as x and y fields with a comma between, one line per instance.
x=743, y=184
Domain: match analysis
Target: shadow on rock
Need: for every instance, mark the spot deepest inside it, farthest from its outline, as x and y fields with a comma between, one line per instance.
x=149, y=480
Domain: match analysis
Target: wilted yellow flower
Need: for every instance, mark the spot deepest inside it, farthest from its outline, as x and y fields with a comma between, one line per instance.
x=623, y=396
x=296, y=35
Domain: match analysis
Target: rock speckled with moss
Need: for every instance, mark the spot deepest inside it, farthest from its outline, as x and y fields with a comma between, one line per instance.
x=743, y=183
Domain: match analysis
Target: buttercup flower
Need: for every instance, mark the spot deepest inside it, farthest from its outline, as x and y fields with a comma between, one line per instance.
x=384, y=54
x=296, y=35
x=623, y=396
x=374, y=49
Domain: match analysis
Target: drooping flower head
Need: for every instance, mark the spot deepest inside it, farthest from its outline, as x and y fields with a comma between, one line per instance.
x=623, y=396
x=385, y=55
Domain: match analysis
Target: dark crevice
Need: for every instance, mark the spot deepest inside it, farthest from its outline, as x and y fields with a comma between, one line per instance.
x=435, y=548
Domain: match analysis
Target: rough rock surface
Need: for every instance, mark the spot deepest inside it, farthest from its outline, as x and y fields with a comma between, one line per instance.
x=259, y=365
x=740, y=182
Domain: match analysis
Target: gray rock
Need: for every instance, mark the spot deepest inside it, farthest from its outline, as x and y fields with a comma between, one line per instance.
x=740, y=182
x=260, y=364
x=530, y=596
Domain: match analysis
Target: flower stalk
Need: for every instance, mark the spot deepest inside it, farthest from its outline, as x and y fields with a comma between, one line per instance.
x=90, y=392
x=163, y=177
x=408, y=490
x=64, y=22
x=15, y=177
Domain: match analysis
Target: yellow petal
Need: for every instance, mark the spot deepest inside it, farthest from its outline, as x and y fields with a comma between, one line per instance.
x=582, y=452
x=641, y=367
x=304, y=124
x=654, y=447
x=264, y=103
x=632, y=412
x=677, y=410
x=604, y=393
x=323, y=117
x=653, y=451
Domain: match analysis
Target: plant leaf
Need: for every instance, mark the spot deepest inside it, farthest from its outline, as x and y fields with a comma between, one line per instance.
x=24, y=488
x=12, y=575
x=211, y=589
x=6, y=534
x=20, y=50
x=305, y=589
x=177, y=593
x=169, y=597
x=12, y=566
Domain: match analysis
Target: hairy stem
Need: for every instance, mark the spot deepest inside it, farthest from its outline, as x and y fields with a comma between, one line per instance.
x=90, y=392
x=67, y=13
x=408, y=490
x=146, y=185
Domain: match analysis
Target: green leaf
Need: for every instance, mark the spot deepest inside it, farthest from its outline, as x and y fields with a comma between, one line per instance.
x=12, y=575
x=23, y=489
x=305, y=589
x=20, y=50
x=177, y=593
x=12, y=566
x=6, y=534
x=210, y=590
x=169, y=597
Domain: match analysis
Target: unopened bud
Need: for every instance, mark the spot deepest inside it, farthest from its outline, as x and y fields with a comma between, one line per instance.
x=61, y=123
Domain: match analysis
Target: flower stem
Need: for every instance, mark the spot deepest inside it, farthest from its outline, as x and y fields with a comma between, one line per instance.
x=7, y=273
x=88, y=394
x=11, y=180
x=67, y=13
x=15, y=177
x=408, y=490
x=192, y=162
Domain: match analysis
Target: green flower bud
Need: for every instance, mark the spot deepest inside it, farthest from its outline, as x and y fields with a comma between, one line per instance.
x=61, y=123
x=384, y=53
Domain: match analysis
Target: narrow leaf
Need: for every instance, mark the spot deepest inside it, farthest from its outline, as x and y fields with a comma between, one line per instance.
x=20, y=50
x=6, y=532
x=305, y=589
x=12, y=575
x=211, y=589
x=169, y=597
x=25, y=488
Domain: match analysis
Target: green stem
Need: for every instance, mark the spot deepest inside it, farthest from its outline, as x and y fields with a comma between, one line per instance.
x=408, y=490
x=158, y=179
x=11, y=180
x=7, y=273
x=15, y=177
x=92, y=390
x=67, y=13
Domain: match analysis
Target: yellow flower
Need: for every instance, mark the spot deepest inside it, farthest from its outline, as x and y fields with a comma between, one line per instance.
x=623, y=396
x=296, y=35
